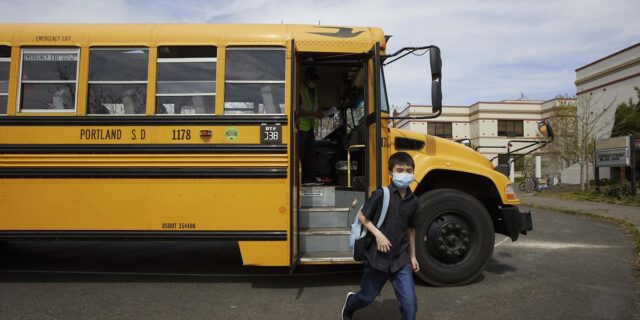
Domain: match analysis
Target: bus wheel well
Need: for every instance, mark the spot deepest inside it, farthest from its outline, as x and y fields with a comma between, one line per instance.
x=482, y=188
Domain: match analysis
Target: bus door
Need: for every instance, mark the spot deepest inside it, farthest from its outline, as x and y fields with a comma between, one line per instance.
x=377, y=131
x=346, y=155
x=294, y=167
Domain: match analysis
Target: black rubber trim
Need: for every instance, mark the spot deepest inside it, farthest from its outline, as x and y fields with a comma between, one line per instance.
x=266, y=235
x=153, y=173
x=139, y=120
x=516, y=222
x=369, y=121
x=142, y=148
x=294, y=251
x=377, y=107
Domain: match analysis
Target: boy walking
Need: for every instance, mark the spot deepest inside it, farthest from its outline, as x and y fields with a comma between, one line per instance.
x=392, y=256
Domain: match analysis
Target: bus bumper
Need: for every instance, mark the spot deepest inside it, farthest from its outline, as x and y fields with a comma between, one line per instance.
x=516, y=222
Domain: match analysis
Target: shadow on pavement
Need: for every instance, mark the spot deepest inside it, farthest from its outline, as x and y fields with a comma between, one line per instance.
x=156, y=261
x=496, y=267
x=167, y=261
x=387, y=309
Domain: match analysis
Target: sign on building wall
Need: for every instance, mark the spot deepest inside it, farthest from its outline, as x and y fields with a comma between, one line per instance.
x=613, y=152
x=613, y=158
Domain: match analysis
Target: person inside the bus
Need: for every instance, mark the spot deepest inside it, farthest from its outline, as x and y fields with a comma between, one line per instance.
x=132, y=101
x=60, y=99
x=308, y=111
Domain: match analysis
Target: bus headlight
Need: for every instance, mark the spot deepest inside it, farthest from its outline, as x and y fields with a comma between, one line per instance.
x=510, y=192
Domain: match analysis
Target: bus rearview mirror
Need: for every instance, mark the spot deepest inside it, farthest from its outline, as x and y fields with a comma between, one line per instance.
x=436, y=77
x=436, y=96
x=436, y=63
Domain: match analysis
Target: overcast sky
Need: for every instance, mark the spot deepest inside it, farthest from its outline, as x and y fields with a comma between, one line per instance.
x=491, y=50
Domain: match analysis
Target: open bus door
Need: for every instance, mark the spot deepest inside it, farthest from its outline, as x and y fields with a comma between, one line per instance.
x=294, y=167
x=375, y=134
x=322, y=211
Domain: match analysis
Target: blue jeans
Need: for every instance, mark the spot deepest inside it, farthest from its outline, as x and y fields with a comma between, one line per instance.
x=373, y=281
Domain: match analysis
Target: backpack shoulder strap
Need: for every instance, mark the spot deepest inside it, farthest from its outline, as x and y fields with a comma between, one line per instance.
x=385, y=206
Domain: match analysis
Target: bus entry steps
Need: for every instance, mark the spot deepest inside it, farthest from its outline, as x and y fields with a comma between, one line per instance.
x=324, y=239
x=324, y=217
x=327, y=257
x=324, y=221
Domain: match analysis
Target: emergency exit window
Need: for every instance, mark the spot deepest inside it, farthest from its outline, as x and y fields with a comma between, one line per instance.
x=5, y=63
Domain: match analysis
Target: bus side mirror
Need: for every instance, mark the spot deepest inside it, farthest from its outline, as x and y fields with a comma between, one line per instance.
x=436, y=63
x=544, y=127
x=436, y=96
x=436, y=78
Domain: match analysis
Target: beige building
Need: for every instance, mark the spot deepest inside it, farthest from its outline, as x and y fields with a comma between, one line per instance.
x=493, y=127
x=606, y=83
x=490, y=126
x=609, y=82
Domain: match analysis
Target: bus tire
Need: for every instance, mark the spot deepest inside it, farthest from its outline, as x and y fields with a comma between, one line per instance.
x=454, y=237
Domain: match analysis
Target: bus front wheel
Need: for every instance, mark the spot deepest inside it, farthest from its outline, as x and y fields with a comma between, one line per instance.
x=454, y=237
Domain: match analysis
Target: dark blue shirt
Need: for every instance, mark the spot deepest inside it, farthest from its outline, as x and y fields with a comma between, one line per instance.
x=401, y=216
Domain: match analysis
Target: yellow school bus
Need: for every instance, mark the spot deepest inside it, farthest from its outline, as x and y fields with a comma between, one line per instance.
x=181, y=132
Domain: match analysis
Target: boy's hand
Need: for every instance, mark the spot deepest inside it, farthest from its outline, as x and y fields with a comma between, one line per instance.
x=414, y=265
x=383, y=243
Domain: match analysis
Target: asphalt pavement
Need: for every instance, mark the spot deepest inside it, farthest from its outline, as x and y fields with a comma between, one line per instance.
x=569, y=267
x=629, y=213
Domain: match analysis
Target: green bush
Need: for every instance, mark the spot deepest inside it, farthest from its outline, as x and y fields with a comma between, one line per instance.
x=618, y=190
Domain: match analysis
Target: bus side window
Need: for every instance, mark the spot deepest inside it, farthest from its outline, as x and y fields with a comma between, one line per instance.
x=186, y=80
x=117, y=80
x=5, y=62
x=254, y=80
x=48, y=79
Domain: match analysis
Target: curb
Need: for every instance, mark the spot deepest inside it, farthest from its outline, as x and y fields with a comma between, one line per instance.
x=630, y=228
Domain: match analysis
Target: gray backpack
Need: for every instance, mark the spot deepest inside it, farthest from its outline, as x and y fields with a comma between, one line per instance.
x=358, y=241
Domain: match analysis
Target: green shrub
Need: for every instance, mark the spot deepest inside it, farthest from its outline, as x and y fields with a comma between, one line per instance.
x=618, y=190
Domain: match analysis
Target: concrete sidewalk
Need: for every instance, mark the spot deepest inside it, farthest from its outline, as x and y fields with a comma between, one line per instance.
x=612, y=210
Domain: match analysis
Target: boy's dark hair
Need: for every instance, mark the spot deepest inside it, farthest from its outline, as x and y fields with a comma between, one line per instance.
x=400, y=158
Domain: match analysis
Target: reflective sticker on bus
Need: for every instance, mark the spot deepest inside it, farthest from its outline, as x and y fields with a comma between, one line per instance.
x=231, y=134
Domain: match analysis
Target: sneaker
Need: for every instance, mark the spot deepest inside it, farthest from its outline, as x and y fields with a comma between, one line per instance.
x=344, y=315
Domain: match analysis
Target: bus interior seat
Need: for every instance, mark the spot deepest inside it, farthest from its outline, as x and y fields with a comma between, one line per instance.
x=198, y=104
x=129, y=99
x=165, y=108
x=267, y=100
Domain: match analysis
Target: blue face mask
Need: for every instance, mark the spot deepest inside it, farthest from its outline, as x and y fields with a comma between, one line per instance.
x=402, y=180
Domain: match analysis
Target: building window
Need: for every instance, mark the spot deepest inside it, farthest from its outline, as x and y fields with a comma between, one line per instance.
x=510, y=128
x=186, y=80
x=254, y=81
x=118, y=80
x=48, y=80
x=5, y=63
x=440, y=129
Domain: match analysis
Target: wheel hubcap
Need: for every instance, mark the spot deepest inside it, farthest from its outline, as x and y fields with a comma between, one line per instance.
x=448, y=238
